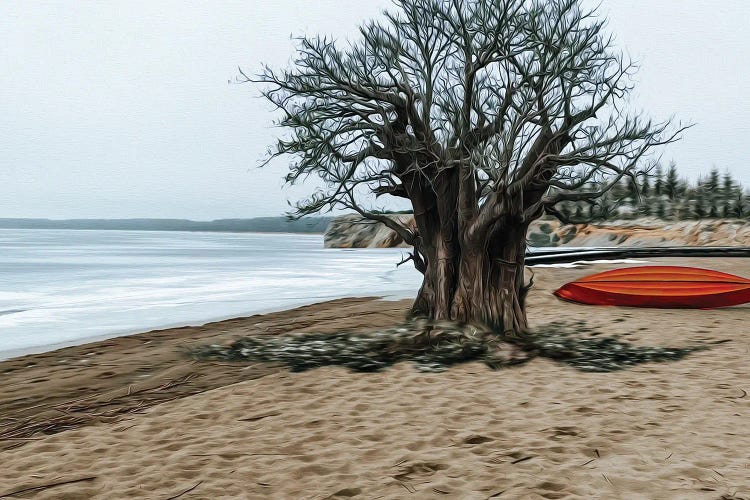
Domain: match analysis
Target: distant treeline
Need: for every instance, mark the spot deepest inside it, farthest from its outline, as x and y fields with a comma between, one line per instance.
x=663, y=193
x=255, y=225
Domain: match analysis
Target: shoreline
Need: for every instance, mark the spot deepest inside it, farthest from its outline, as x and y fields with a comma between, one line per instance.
x=11, y=354
x=285, y=233
x=96, y=285
x=393, y=295
x=115, y=372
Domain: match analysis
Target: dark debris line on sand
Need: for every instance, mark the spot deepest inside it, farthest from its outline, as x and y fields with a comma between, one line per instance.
x=436, y=347
x=587, y=350
x=430, y=350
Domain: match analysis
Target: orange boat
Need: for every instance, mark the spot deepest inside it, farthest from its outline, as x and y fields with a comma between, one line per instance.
x=659, y=286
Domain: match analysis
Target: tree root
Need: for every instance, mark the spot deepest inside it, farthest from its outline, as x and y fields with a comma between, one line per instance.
x=434, y=347
x=579, y=346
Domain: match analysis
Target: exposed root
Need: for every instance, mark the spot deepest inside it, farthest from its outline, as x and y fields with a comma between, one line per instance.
x=585, y=349
x=436, y=346
x=432, y=347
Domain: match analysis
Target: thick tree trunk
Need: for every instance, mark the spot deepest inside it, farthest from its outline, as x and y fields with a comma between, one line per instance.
x=435, y=217
x=481, y=284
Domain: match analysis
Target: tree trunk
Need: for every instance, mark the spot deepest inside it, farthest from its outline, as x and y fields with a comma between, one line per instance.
x=482, y=284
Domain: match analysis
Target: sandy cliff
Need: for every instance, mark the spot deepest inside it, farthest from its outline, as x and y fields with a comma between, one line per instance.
x=350, y=231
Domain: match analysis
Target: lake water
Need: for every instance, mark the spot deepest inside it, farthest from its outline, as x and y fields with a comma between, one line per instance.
x=63, y=287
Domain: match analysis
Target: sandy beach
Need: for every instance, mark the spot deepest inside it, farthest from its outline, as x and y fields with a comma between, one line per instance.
x=135, y=417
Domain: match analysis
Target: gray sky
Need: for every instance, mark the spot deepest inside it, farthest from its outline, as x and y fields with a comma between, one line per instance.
x=123, y=109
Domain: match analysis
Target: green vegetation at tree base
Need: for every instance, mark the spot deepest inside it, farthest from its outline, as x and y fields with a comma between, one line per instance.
x=436, y=346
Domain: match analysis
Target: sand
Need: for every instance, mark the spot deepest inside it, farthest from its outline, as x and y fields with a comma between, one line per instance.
x=542, y=430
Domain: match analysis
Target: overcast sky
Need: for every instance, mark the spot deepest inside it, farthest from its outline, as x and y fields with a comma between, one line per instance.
x=123, y=109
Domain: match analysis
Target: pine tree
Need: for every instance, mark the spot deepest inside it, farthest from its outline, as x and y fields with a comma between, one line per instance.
x=682, y=188
x=740, y=205
x=659, y=181
x=671, y=185
x=646, y=187
x=632, y=191
x=699, y=210
x=660, y=209
x=711, y=189
x=728, y=190
x=728, y=186
x=712, y=183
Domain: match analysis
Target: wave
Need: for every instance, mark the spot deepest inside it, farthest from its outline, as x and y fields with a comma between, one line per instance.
x=11, y=311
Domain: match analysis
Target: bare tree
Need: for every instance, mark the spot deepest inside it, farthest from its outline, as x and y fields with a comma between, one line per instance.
x=484, y=114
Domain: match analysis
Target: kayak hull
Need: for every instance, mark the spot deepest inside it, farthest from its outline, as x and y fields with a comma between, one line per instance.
x=669, y=287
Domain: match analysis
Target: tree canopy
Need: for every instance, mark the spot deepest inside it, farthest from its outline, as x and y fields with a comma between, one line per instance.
x=518, y=95
x=484, y=114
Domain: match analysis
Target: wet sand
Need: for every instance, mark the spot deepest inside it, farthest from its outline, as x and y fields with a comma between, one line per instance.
x=133, y=417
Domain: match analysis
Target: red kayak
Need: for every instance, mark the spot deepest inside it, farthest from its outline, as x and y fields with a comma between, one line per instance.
x=659, y=286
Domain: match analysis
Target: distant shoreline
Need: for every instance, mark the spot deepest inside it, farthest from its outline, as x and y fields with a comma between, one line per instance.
x=288, y=233
x=312, y=225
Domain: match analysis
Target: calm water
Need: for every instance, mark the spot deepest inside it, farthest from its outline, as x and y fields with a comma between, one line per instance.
x=65, y=287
